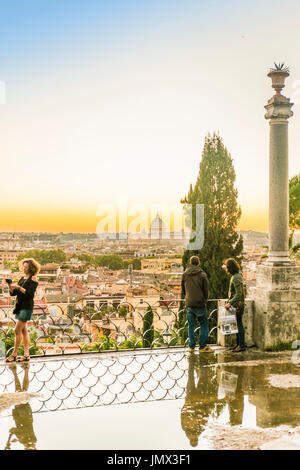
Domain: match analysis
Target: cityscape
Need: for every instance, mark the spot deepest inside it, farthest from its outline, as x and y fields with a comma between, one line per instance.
x=149, y=228
x=89, y=272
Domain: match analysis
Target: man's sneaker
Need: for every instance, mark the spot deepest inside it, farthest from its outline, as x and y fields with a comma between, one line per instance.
x=191, y=350
x=206, y=348
x=234, y=348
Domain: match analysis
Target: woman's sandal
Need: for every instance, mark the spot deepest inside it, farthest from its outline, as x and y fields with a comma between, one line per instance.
x=14, y=358
x=23, y=359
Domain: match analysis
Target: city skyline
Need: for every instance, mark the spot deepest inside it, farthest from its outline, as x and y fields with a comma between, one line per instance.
x=106, y=101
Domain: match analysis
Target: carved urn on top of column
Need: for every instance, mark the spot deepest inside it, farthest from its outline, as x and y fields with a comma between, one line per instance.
x=278, y=112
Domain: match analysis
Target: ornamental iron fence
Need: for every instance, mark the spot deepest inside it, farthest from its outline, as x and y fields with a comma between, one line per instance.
x=57, y=329
x=56, y=384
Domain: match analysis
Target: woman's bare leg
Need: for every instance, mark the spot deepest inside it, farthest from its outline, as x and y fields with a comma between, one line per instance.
x=26, y=340
x=18, y=336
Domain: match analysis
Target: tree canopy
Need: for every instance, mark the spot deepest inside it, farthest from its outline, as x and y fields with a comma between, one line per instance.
x=44, y=256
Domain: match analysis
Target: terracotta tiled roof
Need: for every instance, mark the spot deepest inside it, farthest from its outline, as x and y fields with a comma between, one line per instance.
x=71, y=281
x=6, y=302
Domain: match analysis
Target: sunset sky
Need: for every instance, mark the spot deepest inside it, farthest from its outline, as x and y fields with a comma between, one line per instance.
x=107, y=100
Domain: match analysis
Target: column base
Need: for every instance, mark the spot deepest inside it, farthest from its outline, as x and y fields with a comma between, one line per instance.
x=279, y=258
x=276, y=297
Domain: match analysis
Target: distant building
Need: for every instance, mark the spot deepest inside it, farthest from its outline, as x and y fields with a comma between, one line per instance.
x=161, y=264
x=96, y=301
x=157, y=228
x=49, y=272
x=8, y=255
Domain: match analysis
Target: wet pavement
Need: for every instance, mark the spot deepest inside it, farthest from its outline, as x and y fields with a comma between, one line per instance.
x=151, y=400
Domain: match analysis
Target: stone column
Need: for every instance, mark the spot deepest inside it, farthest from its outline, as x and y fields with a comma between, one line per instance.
x=278, y=111
x=276, y=316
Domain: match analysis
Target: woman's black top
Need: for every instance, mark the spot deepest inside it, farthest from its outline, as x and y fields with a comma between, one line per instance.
x=25, y=300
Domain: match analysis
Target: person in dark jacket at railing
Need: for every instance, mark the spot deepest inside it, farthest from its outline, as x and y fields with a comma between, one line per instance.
x=24, y=290
x=194, y=286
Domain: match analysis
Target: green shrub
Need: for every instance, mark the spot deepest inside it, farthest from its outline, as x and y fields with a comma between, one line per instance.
x=133, y=342
x=105, y=344
x=281, y=347
x=7, y=336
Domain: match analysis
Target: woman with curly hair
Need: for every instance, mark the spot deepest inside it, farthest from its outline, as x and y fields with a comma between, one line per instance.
x=236, y=298
x=24, y=290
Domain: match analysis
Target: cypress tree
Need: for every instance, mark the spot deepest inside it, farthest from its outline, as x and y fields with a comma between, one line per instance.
x=215, y=189
x=148, y=329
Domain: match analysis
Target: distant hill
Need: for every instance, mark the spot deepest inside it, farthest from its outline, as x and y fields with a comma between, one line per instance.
x=253, y=234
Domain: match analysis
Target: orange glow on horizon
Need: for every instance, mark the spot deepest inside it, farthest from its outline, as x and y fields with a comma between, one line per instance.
x=84, y=220
x=254, y=219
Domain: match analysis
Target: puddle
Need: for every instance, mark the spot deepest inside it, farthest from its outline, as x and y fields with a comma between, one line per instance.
x=166, y=400
x=285, y=381
x=7, y=400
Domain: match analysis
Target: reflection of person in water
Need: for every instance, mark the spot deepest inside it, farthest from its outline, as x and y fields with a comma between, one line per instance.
x=201, y=400
x=22, y=414
x=236, y=400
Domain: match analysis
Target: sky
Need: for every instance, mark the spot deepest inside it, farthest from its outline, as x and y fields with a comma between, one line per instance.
x=111, y=101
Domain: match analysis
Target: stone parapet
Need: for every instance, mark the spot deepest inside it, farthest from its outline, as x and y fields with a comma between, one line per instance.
x=278, y=277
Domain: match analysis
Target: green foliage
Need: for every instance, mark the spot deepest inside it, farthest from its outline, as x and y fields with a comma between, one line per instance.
x=7, y=336
x=136, y=263
x=123, y=311
x=294, y=203
x=88, y=310
x=132, y=342
x=6, y=264
x=106, y=343
x=44, y=256
x=158, y=338
x=106, y=332
x=14, y=267
x=89, y=259
x=114, y=262
x=148, y=329
x=50, y=339
x=281, y=346
x=178, y=338
x=80, y=269
x=215, y=189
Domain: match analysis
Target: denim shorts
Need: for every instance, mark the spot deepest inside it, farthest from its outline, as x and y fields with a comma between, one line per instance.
x=24, y=314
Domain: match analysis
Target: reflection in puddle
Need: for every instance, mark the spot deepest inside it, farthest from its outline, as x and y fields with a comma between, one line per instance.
x=212, y=390
x=244, y=394
x=22, y=432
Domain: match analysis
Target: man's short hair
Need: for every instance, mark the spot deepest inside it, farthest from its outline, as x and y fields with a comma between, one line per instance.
x=195, y=260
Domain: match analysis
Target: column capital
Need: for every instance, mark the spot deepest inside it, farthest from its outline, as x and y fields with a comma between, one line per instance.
x=279, y=108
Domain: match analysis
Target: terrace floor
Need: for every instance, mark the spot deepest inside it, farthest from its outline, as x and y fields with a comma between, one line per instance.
x=160, y=399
